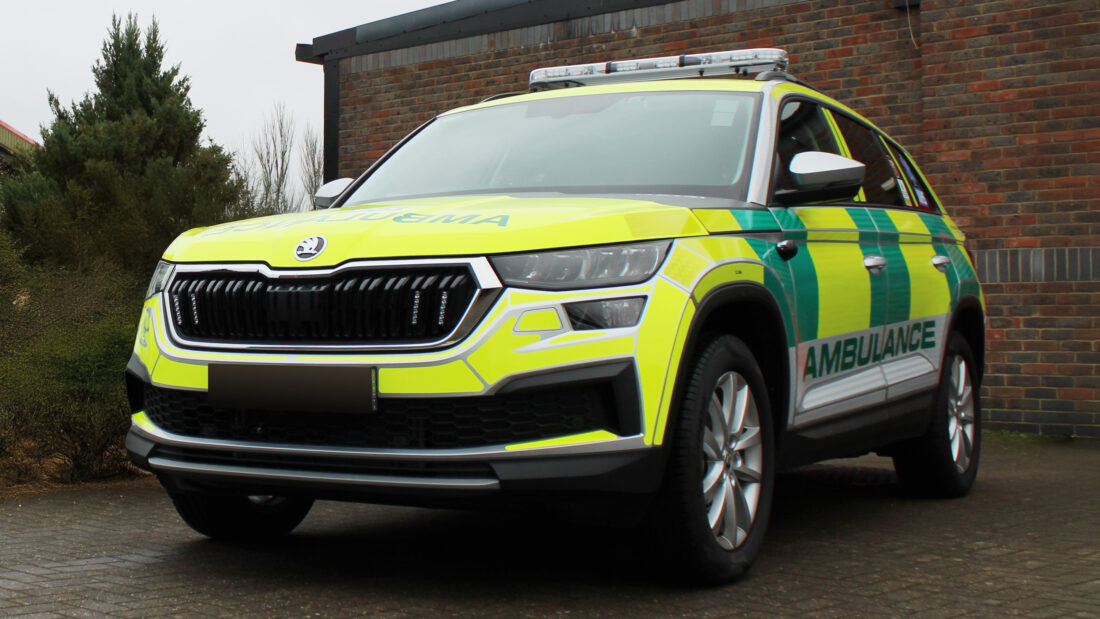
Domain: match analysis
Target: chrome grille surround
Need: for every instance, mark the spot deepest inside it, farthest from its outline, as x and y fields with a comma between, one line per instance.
x=487, y=289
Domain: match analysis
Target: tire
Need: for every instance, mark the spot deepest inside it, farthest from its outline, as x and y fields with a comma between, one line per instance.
x=239, y=517
x=944, y=462
x=717, y=493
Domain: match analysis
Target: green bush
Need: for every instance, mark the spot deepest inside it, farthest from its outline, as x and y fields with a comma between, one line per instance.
x=120, y=173
x=11, y=279
x=62, y=394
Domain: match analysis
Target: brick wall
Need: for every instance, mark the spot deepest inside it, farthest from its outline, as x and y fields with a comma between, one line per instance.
x=997, y=99
x=1011, y=137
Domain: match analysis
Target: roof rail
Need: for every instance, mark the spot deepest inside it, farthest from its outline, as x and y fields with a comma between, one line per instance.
x=501, y=95
x=733, y=62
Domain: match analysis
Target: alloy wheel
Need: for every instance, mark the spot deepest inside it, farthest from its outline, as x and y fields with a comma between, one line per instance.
x=733, y=456
x=960, y=412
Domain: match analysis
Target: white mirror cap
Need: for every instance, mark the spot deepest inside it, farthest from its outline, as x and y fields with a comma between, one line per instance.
x=328, y=192
x=813, y=169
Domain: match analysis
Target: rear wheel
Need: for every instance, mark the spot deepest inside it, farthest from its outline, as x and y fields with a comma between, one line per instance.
x=718, y=487
x=240, y=517
x=944, y=462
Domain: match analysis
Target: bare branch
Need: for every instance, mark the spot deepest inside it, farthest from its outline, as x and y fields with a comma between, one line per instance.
x=266, y=169
x=311, y=161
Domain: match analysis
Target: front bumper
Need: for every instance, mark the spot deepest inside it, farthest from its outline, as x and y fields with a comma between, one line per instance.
x=212, y=450
x=621, y=466
x=522, y=352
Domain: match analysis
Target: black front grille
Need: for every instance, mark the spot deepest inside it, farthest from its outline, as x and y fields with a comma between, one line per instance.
x=405, y=305
x=408, y=423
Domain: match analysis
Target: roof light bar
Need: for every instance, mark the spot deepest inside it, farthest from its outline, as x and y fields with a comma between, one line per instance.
x=733, y=62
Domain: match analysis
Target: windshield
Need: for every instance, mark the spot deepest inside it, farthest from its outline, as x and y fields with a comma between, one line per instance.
x=680, y=143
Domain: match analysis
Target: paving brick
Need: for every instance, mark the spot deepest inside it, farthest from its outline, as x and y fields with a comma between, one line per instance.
x=844, y=541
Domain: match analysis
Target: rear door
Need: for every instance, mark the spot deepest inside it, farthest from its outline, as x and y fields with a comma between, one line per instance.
x=918, y=301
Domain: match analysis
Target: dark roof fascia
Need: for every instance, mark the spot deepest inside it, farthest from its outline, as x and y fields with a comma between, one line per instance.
x=454, y=20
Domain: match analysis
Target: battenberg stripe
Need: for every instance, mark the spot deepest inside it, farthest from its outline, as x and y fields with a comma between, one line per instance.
x=971, y=288
x=778, y=281
x=772, y=283
x=755, y=220
x=836, y=258
x=824, y=218
x=788, y=219
x=805, y=279
x=880, y=287
x=717, y=220
x=940, y=233
x=862, y=219
x=684, y=265
x=897, y=297
x=952, y=272
x=937, y=227
x=910, y=226
x=868, y=244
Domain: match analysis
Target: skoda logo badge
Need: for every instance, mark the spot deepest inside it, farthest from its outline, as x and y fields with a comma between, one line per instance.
x=309, y=248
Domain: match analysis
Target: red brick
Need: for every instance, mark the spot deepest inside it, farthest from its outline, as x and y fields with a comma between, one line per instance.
x=998, y=105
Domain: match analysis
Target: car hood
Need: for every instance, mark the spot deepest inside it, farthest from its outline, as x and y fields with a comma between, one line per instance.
x=452, y=226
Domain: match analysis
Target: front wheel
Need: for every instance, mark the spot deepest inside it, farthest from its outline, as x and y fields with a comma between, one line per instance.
x=944, y=462
x=240, y=517
x=718, y=488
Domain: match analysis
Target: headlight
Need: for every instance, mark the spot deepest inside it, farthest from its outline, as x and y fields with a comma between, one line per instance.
x=160, y=278
x=589, y=267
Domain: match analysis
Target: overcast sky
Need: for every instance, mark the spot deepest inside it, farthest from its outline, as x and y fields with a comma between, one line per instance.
x=239, y=54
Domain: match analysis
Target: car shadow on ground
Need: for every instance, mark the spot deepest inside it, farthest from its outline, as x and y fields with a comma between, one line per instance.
x=464, y=552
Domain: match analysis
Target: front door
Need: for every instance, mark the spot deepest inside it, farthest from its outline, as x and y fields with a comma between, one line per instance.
x=838, y=281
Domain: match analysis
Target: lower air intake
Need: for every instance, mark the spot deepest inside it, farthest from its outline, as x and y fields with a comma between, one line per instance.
x=403, y=423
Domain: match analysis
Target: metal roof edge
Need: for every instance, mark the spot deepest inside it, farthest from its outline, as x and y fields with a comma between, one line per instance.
x=16, y=133
x=453, y=20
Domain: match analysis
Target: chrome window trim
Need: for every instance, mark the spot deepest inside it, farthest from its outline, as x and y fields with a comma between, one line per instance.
x=488, y=289
x=493, y=452
x=305, y=475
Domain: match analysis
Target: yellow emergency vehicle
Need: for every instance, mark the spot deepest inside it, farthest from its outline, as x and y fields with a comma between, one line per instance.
x=631, y=288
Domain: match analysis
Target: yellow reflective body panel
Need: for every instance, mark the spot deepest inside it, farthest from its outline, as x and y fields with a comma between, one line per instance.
x=436, y=227
x=835, y=311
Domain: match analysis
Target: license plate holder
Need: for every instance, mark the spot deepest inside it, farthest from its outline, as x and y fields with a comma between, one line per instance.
x=303, y=388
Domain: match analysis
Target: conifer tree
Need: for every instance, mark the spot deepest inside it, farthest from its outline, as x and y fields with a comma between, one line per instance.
x=123, y=170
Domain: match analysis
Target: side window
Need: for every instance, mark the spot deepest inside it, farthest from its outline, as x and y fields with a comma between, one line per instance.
x=881, y=185
x=921, y=196
x=802, y=127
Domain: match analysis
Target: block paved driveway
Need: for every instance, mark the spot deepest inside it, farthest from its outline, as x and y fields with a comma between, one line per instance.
x=843, y=541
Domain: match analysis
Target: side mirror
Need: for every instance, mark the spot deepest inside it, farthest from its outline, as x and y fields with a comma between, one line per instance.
x=822, y=176
x=328, y=192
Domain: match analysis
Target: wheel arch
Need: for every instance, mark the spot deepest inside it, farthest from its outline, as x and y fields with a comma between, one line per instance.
x=968, y=320
x=749, y=312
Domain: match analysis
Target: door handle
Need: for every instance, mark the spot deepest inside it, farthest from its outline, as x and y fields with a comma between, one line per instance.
x=874, y=264
x=941, y=262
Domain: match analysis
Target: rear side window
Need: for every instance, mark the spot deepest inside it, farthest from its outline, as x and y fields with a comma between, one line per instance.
x=802, y=127
x=882, y=183
x=921, y=196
